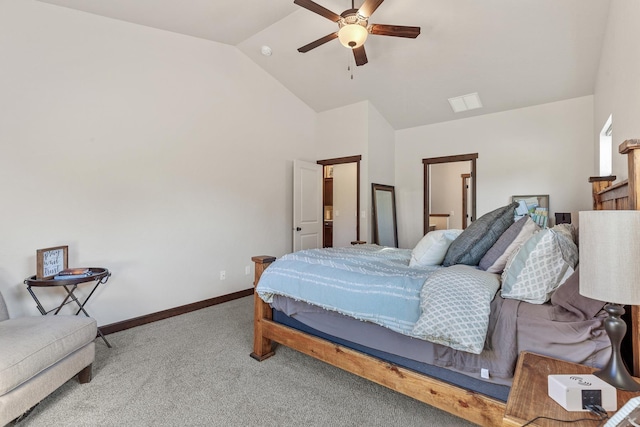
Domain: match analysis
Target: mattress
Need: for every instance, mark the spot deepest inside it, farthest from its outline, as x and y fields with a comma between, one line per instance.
x=515, y=326
x=496, y=390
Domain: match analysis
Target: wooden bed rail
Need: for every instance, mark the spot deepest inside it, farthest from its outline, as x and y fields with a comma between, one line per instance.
x=604, y=196
x=624, y=194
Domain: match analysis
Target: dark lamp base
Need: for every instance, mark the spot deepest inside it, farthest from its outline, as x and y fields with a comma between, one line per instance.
x=615, y=372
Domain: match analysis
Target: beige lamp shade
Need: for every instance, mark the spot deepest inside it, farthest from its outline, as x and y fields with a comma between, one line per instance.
x=610, y=256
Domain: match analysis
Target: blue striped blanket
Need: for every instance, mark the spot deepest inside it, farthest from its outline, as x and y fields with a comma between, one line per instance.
x=367, y=282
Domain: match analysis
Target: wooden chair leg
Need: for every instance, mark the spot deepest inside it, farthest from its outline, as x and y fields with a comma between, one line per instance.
x=85, y=375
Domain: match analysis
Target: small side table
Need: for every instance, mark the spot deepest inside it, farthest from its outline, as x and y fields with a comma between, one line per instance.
x=529, y=396
x=97, y=275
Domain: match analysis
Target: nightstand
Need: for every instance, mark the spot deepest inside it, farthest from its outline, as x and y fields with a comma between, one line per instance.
x=529, y=393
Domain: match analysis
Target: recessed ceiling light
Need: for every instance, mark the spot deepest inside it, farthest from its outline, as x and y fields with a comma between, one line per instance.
x=465, y=102
x=266, y=50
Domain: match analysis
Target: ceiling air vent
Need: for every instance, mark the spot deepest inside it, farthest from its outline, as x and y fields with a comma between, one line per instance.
x=465, y=102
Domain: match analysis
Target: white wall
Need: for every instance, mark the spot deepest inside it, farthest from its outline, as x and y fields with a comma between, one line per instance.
x=359, y=129
x=617, y=90
x=546, y=149
x=381, y=139
x=341, y=132
x=162, y=157
x=345, y=208
x=381, y=155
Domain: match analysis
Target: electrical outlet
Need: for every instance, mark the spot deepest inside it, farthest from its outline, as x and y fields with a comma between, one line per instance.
x=247, y=270
x=223, y=275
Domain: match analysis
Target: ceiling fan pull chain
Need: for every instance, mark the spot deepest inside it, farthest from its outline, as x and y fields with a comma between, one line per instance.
x=349, y=65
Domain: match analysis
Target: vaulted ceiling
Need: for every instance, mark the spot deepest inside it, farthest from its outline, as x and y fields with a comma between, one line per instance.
x=512, y=53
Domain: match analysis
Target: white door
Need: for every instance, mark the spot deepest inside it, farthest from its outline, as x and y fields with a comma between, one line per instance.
x=307, y=205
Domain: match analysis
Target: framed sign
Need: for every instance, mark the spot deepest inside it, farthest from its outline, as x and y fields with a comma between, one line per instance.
x=50, y=261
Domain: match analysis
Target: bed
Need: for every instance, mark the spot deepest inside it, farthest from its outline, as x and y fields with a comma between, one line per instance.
x=440, y=377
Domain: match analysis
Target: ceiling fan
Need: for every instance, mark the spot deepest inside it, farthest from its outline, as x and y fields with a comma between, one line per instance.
x=354, y=27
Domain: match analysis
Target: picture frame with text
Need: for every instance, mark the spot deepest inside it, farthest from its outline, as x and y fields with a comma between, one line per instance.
x=50, y=261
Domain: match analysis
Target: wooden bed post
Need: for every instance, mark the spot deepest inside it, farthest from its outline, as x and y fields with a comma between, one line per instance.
x=630, y=148
x=262, y=347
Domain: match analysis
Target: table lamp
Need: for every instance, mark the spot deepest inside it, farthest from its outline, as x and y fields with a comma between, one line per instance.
x=610, y=271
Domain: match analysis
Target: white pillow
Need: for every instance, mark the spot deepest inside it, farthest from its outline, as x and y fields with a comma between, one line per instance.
x=432, y=248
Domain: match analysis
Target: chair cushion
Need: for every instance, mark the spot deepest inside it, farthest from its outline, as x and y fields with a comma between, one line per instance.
x=32, y=344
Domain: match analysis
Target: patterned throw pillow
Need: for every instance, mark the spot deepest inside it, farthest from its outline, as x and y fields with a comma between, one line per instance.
x=455, y=303
x=432, y=248
x=495, y=260
x=475, y=241
x=539, y=266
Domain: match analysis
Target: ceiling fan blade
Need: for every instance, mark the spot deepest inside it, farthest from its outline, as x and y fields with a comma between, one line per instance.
x=316, y=8
x=360, y=55
x=369, y=7
x=395, y=30
x=320, y=41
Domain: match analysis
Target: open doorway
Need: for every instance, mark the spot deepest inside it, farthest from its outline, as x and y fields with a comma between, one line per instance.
x=341, y=200
x=433, y=185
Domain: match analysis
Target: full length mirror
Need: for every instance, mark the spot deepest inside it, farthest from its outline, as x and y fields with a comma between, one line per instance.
x=385, y=228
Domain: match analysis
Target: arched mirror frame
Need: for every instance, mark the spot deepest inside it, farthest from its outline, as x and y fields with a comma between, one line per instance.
x=375, y=188
x=343, y=160
x=427, y=188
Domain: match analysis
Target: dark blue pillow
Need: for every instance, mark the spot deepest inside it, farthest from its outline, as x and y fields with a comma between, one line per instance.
x=477, y=239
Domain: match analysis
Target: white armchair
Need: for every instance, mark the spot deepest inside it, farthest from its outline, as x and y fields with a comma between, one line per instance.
x=38, y=354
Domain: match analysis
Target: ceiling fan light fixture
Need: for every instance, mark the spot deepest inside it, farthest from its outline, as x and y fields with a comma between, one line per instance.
x=352, y=36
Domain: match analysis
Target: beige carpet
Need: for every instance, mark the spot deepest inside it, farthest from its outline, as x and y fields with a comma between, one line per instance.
x=195, y=370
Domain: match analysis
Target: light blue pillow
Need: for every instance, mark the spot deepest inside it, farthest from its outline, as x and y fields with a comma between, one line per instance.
x=539, y=266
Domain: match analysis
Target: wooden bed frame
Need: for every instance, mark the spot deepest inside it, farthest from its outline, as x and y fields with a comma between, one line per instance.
x=472, y=406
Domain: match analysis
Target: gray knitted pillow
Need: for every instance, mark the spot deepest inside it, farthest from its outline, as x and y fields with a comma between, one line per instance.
x=477, y=239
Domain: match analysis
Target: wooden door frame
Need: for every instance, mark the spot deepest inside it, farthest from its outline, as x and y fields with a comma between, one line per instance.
x=465, y=177
x=472, y=157
x=340, y=161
